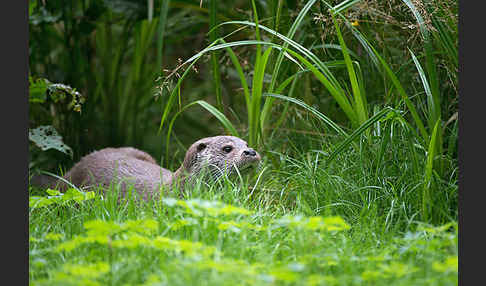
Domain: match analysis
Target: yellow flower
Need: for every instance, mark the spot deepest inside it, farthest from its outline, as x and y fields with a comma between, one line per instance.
x=355, y=23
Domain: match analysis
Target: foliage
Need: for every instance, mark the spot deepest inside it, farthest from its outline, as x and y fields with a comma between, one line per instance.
x=50, y=103
x=46, y=137
x=56, y=197
x=353, y=105
x=225, y=244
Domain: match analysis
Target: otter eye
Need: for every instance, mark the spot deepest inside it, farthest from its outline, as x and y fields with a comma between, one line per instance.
x=227, y=149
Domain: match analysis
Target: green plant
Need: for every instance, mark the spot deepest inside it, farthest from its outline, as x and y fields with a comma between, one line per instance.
x=195, y=240
x=51, y=107
x=359, y=178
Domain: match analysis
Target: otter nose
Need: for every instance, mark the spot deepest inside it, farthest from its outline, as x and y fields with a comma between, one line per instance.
x=250, y=152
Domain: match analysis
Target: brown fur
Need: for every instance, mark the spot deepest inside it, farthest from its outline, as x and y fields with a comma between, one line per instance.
x=128, y=166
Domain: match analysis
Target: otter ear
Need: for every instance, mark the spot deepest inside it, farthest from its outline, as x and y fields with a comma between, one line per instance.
x=201, y=147
x=191, y=154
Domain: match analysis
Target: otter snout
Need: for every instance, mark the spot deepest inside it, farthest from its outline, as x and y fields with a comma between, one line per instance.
x=251, y=154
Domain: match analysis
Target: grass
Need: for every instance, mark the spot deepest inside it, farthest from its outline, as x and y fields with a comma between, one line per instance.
x=358, y=184
x=353, y=221
x=216, y=247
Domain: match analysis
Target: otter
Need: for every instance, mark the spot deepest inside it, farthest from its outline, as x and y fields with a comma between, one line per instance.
x=127, y=166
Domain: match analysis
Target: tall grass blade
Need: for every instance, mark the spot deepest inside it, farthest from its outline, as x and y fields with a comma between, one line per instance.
x=239, y=70
x=256, y=96
x=429, y=64
x=257, y=29
x=291, y=79
x=314, y=111
x=431, y=104
x=213, y=9
x=277, y=7
x=276, y=69
x=299, y=48
x=220, y=116
x=286, y=82
x=279, y=90
x=320, y=69
x=334, y=46
x=451, y=146
x=336, y=92
x=137, y=78
x=384, y=112
x=396, y=83
x=192, y=61
x=359, y=102
x=343, y=6
x=446, y=39
x=426, y=199
x=428, y=92
x=256, y=89
x=213, y=110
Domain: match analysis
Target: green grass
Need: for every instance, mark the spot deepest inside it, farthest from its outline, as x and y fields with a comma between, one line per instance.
x=358, y=184
x=298, y=220
x=177, y=245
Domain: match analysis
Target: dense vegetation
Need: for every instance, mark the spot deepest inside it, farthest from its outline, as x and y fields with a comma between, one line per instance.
x=352, y=105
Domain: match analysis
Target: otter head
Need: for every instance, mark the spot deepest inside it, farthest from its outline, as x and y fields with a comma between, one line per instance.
x=220, y=155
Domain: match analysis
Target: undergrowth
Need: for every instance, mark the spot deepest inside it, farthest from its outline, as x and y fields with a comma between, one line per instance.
x=358, y=180
x=295, y=221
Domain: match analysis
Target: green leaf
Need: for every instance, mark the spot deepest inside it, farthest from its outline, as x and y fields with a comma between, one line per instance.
x=343, y=6
x=319, y=115
x=359, y=100
x=388, y=72
x=256, y=96
x=38, y=90
x=53, y=192
x=429, y=166
x=378, y=116
x=430, y=66
x=317, y=67
x=214, y=54
x=46, y=137
x=213, y=110
x=293, y=29
x=239, y=70
x=430, y=100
